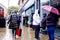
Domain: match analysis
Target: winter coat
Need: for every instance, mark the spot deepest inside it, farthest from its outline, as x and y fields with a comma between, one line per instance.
x=51, y=19
x=36, y=19
x=13, y=21
x=43, y=22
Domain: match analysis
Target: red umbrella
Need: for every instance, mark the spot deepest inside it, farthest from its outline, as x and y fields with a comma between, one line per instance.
x=51, y=9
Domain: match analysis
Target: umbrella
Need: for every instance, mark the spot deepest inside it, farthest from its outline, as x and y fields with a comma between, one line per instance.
x=51, y=9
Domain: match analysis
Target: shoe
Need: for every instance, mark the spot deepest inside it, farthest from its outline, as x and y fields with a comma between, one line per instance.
x=37, y=39
x=17, y=36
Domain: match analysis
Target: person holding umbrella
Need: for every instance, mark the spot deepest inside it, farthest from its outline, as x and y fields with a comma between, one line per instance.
x=51, y=20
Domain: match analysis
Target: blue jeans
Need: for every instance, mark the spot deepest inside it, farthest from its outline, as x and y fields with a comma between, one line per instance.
x=51, y=30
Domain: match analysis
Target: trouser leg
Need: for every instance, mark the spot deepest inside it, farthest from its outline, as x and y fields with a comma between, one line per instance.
x=14, y=31
x=37, y=29
x=51, y=32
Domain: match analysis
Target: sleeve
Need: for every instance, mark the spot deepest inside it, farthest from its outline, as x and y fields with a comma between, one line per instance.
x=10, y=19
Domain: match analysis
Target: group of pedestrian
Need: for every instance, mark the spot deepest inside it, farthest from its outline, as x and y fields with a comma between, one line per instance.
x=50, y=21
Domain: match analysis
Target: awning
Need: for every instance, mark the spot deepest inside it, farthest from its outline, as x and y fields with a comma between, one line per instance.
x=28, y=4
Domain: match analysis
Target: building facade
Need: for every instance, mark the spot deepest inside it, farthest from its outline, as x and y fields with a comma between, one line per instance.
x=30, y=6
x=21, y=3
x=27, y=7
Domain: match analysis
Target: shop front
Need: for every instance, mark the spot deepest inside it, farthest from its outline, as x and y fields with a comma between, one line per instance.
x=2, y=19
x=28, y=9
x=29, y=13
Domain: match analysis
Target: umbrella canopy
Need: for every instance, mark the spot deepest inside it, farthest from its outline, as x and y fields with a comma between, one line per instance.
x=51, y=9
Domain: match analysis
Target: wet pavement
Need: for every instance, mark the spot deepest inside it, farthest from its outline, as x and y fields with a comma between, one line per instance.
x=27, y=34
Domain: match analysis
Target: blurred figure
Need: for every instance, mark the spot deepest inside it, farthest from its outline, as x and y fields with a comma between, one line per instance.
x=13, y=22
x=36, y=24
x=57, y=6
x=44, y=31
x=51, y=22
x=26, y=21
x=31, y=21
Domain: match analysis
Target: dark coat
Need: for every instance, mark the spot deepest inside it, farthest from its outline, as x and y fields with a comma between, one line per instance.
x=13, y=21
x=51, y=19
x=43, y=23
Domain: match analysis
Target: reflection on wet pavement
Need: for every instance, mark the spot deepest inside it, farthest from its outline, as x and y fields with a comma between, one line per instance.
x=27, y=34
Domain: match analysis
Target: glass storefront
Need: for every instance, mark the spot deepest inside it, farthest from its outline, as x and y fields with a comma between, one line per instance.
x=29, y=9
x=47, y=2
x=29, y=13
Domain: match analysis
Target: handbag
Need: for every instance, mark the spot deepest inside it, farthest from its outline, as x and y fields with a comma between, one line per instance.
x=18, y=32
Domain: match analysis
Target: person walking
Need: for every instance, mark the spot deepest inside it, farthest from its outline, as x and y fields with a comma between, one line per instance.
x=36, y=24
x=51, y=23
x=51, y=20
x=13, y=22
x=43, y=23
x=32, y=28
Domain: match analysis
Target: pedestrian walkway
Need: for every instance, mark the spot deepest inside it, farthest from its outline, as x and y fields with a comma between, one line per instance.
x=27, y=34
x=57, y=32
x=6, y=34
